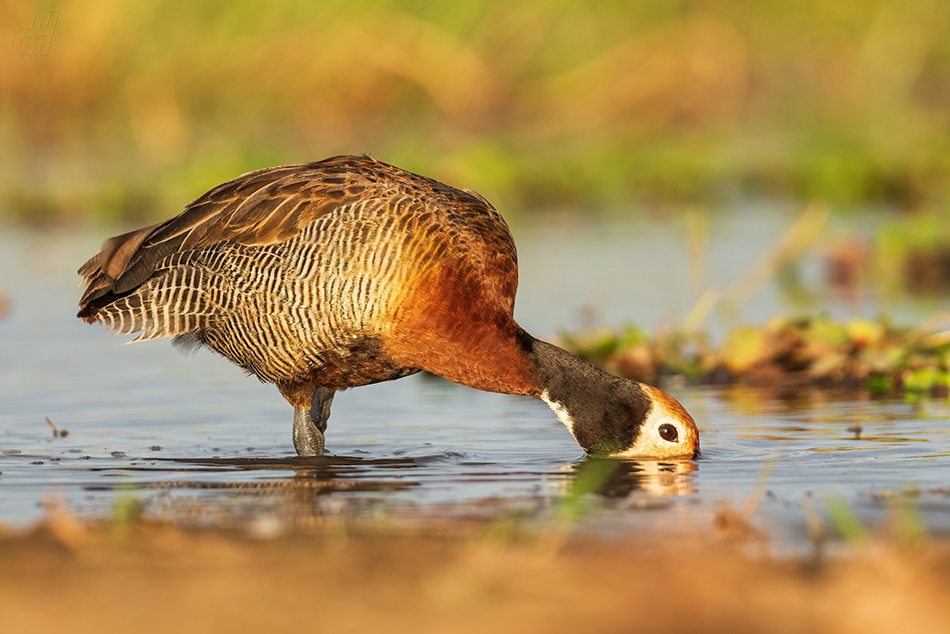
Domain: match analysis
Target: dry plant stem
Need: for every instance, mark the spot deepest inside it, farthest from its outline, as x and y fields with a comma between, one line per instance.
x=798, y=237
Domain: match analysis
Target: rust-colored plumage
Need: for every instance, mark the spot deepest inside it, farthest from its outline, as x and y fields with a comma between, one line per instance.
x=329, y=275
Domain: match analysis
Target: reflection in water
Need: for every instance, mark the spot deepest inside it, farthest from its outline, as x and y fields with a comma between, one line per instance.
x=269, y=494
x=617, y=479
x=296, y=492
x=656, y=478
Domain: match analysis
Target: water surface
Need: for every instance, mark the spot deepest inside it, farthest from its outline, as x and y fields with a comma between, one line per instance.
x=192, y=438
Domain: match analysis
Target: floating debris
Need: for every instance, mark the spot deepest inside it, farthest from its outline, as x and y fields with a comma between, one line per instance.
x=57, y=432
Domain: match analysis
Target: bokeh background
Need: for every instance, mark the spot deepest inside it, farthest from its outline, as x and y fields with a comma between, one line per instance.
x=139, y=107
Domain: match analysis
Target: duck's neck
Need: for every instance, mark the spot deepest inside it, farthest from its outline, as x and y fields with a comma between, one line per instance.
x=603, y=412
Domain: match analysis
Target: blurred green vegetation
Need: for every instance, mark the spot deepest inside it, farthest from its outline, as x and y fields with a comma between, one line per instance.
x=140, y=107
x=806, y=352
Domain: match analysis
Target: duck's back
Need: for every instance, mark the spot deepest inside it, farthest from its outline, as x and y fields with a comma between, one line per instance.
x=337, y=273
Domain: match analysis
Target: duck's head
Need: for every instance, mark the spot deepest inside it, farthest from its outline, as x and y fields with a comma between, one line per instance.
x=612, y=416
x=609, y=415
x=628, y=419
x=667, y=431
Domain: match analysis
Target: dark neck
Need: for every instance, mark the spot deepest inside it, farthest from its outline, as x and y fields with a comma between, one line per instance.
x=603, y=412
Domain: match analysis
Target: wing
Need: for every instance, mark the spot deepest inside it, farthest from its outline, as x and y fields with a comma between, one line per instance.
x=273, y=205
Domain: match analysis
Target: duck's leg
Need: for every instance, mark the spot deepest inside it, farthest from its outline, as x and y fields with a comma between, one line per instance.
x=309, y=424
x=311, y=411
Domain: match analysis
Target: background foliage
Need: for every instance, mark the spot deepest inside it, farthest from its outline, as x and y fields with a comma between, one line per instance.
x=140, y=107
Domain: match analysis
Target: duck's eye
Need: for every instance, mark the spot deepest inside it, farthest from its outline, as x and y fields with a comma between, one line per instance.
x=668, y=432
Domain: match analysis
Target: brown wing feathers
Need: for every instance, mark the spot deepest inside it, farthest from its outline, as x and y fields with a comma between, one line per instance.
x=170, y=279
x=257, y=208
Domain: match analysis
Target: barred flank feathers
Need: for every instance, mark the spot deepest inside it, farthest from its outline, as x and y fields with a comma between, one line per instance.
x=290, y=271
x=168, y=305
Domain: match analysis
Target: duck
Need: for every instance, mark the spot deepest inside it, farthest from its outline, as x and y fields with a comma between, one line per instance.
x=323, y=276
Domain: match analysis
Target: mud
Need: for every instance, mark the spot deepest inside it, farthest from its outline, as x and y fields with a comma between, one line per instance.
x=66, y=575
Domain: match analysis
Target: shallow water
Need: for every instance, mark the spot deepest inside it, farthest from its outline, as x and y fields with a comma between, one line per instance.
x=191, y=438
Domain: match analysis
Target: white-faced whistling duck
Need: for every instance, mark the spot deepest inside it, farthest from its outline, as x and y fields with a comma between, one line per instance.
x=349, y=271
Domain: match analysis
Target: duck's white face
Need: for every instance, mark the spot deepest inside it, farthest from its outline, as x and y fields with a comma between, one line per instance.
x=668, y=431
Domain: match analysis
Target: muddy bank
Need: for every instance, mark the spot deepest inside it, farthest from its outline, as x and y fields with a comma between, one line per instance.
x=64, y=575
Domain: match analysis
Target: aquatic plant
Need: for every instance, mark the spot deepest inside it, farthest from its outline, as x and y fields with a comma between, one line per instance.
x=810, y=351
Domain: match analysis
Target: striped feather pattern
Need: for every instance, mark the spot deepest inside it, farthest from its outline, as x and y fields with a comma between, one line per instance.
x=296, y=273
